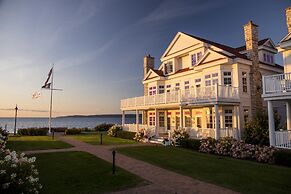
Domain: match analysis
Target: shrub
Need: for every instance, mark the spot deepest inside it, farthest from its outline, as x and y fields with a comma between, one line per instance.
x=3, y=138
x=193, y=144
x=282, y=157
x=73, y=131
x=139, y=135
x=256, y=131
x=179, y=135
x=113, y=130
x=103, y=127
x=125, y=134
x=18, y=174
x=207, y=145
x=33, y=131
x=59, y=129
x=224, y=145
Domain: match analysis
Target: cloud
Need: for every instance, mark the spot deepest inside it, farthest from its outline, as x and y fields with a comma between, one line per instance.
x=172, y=9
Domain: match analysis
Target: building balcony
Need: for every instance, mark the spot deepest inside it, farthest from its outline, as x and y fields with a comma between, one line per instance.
x=193, y=96
x=278, y=86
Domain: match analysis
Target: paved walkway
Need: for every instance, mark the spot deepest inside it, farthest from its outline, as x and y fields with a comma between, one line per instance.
x=161, y=180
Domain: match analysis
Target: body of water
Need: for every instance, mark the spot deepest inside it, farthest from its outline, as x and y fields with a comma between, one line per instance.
x=70, y=122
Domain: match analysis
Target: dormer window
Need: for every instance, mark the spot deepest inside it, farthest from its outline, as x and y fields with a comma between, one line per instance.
x=196, y=58
x=169, y=67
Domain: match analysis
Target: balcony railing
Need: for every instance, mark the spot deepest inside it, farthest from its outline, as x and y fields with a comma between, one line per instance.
x=276, y=84
x=194, y=95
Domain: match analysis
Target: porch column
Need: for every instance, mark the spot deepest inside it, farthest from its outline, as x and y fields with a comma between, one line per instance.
x=123, y=118
x=271, y=123
x=217, y=123
x=236, y=109
x=181, y=117
x=166, y=120
x=288, y=114
x=137, y=119
x=156, y=123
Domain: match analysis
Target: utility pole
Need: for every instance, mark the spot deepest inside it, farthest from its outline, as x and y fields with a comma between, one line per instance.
x=15, y=119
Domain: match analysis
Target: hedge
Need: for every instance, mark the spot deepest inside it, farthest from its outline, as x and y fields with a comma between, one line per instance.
x=73, y=131
x=59, y=129
x=125, y=134
x=33, y=131
x=103, y=127
x=282, y=157
x=193, y=144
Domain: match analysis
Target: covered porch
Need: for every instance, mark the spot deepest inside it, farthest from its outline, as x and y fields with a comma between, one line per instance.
x=199, y=120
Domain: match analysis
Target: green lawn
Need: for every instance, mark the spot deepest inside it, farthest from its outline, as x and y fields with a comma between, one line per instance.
x=81, y=173
x=94, y=138
x=239, y=175
x=24, y=143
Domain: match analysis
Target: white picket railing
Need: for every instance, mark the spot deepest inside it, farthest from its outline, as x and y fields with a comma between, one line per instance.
x=283, y=139
x=277, y=83
x=194, y=95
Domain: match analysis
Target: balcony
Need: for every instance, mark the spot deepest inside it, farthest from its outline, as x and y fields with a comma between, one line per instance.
x=211, y=94
x=277, y=85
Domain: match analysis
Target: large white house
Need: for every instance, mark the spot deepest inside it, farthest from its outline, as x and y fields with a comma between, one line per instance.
x=208, y=88
x=278, y=88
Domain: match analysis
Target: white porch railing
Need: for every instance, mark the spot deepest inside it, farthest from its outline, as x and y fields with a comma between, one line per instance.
x=283, y=139
x=277, y=83
x=193, y=95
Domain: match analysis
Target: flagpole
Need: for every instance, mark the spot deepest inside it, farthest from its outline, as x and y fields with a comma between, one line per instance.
x=51, y=102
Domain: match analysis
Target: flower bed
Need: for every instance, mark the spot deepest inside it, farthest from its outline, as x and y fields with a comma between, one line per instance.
x=237, y=149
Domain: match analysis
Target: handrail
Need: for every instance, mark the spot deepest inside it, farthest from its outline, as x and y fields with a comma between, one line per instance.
x=192, y=95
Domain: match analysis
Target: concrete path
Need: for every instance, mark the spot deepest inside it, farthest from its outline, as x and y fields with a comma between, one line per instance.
x=163, y=181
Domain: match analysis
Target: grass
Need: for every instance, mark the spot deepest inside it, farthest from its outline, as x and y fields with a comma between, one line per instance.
x=95, y=138
x=24, y=143
x=239, y=175
x=82, y=173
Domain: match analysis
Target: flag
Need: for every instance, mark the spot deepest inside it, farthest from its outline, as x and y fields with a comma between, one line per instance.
x=46, y=84
x=36, y=95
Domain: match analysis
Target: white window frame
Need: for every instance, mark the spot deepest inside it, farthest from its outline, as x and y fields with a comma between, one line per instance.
x=228, y=77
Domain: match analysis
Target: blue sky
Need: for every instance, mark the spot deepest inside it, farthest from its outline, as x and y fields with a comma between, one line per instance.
x=98, y=46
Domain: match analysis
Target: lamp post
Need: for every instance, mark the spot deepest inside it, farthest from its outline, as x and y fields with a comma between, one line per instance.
x=15, y=119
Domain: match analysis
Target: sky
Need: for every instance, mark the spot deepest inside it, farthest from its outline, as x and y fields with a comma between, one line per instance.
x=98, y=46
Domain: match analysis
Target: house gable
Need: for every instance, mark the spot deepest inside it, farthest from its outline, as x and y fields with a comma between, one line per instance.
x=152, y=74
x=180, y=42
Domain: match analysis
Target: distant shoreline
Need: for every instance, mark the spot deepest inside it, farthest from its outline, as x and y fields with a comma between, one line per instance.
x=76, y=116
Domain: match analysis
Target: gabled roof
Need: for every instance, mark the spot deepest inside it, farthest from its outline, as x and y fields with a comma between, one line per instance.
x=221, y=46
x=260, y=43
x=286, y=38
x=158, y=73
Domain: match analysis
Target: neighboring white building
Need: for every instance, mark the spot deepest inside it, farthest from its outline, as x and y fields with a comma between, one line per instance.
x=278, y=88
x=208, y=88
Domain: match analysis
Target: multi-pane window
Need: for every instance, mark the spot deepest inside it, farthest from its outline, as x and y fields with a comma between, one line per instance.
x=199, y=56
x=186, y=85
x=197, y=80
x=153, y=90
x=196, y=58
x=161, y=89
x=198, y=122
x=246, y=115
x=187, y=121
x=169, y=67
x=268, y=58
x=272, y=59
x=177, y=121
x=161, y=119
x=177, y=86
x=228, y=118
x=193, y=59
x=152, y=118
x=244, y=82
x=168, y=88
x=209, y=119
x=208, y=80
x=214, y=81
x=265, y=57
x=227, y=78
x=215, y=75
